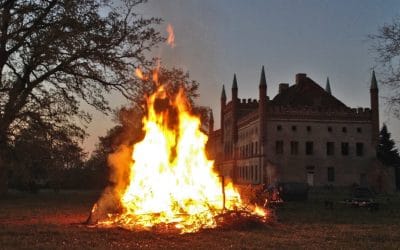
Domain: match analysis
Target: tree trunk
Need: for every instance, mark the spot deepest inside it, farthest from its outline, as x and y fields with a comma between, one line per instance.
x=3, y=170
x=3, y=165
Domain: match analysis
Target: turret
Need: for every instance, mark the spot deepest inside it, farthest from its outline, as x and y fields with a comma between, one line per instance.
x=263, y=85
x=262, y=109
x=328, y=86
x=234, y=88
x=235, y=109
x=374, y=109
x=223, y=104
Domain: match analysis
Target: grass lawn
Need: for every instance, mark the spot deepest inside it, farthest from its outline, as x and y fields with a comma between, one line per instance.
x=53, y=221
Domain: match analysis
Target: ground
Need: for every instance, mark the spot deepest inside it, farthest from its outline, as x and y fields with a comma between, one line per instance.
x=51, y=220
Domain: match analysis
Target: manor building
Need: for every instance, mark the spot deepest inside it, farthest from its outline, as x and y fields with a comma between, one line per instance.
x=303, y=134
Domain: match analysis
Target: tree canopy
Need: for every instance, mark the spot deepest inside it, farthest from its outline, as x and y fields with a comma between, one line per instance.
x=387, y=152
x=54, y=54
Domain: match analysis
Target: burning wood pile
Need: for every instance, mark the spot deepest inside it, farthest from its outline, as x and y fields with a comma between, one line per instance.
x=165, y=182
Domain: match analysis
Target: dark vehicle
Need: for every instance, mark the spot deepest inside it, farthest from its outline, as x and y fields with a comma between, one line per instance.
x=362, y=197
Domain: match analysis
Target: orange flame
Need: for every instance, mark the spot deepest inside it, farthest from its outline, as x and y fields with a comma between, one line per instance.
x=139, y=73
x=171, y=36
x=171, y=182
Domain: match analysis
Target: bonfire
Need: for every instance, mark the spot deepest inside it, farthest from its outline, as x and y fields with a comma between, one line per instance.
x=166, y=180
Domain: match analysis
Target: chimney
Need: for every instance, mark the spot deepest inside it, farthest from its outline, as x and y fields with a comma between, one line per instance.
x=283, y=87
x=300, y=77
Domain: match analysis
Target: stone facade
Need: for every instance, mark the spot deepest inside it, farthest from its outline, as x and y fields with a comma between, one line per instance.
x=303, y=134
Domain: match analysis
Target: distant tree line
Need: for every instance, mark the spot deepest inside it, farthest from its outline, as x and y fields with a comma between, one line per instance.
x=49, y=158
x=388, y=154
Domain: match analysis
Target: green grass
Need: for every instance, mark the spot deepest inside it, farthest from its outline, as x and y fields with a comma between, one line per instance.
x=53, y=221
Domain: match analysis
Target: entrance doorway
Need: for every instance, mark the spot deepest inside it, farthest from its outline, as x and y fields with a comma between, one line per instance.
x=310, y=179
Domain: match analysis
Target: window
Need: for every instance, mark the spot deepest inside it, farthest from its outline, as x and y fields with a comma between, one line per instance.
x=252, y=172
x=279, y=147
x=359, y=130
x=279, y=127
x=345, y=148
x=308, y=128
x=330, y=148
x=294, y=128
x=329, y=129
x=344, y=130
x=360, y=148
x=256, y=148
x=294, y=147
x=310, y=175
x=256, y=172
x=309, y=148
x=331, y=174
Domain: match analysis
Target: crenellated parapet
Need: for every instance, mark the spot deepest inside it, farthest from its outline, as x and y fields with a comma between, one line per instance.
x=290, y=112
x=248, y=103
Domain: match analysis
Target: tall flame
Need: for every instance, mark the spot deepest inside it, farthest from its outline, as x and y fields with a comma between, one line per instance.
x=171, y=36
x=171, y=180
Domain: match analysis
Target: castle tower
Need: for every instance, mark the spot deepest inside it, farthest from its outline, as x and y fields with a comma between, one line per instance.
x=223, y=105
x=235, y=110
x=328, y=86
x=374, y=109
x=262, y=108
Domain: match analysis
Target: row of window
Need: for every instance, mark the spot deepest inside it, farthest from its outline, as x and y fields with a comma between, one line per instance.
x=248, y=150
x=309, y=128
x=248, y=132
x=249, y=172
x=228, y=151
x=309, y=148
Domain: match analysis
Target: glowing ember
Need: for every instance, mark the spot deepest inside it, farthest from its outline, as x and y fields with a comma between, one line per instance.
x=171, y=36
x=139, y=74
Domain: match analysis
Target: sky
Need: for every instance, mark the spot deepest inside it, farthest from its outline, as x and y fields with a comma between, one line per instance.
x=217, y=38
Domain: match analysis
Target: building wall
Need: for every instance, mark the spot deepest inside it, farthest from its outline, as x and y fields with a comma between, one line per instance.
x=295, y=167
x=248, y=164
x=243, y=161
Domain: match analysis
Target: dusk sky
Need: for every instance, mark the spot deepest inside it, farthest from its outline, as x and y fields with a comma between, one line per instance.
x=217, y=38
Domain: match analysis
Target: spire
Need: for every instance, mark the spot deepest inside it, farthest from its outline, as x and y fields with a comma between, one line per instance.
x=234, y=84
x=263, y=82
x=328, y=86
x=374, y=84
x=223, y=95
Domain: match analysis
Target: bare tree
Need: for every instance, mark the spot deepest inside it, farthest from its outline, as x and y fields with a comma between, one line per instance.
x=54, y=54
x=386, y=45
